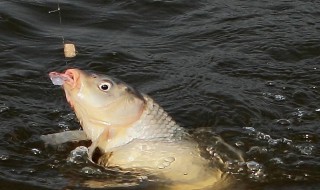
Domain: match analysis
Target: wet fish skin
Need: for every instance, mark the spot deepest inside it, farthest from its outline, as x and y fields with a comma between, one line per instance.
x=130, y=130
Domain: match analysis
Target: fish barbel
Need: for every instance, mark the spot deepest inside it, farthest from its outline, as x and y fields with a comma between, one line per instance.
x=129, y=130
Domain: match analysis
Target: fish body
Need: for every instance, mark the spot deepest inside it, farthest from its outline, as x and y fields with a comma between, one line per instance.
x=129, y=130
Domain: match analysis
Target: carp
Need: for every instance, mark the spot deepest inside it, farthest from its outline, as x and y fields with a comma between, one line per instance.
x=128, y=129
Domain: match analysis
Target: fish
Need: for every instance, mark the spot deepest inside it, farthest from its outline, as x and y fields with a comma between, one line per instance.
x=128, y=129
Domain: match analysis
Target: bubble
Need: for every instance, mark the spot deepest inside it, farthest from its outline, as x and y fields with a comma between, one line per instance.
x=239, y=143
x=283, y=122
x=276, y=160
x=36, y=151
x=91, y=171
x=279, y=97
x=305, y=149
x=286, y=141
x=257, y=150
x=263, y=136
x=69, y=116
x=274, y=142
x=63, y=126
x=299, y=113
x=4, y=157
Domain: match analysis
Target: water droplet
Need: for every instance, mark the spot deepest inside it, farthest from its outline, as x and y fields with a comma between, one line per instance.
x=63, y=126
x=284, y=122
x=36, y=151
x=69, y=116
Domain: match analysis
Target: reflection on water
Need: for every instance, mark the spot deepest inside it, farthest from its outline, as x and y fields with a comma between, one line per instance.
x=245, y=71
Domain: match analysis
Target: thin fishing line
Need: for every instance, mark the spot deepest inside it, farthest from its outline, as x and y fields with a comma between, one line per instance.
x=60, y=17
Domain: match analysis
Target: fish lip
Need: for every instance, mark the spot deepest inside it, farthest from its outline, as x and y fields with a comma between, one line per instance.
x=73, y=76
x=70, y=77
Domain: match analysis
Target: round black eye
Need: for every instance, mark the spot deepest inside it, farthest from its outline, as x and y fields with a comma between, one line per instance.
x=105, y=86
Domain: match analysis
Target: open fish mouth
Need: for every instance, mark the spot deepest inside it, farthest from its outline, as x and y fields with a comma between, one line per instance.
x=69, y=77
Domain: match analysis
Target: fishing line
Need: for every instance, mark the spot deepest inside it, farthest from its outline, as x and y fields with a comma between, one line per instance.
x=69, y=48
x=60, y=18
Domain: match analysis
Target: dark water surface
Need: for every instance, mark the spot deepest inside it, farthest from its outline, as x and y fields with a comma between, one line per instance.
x=247, y=71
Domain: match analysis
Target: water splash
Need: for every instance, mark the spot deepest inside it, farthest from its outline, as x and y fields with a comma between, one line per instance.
x=78, y=155
x=256, y=171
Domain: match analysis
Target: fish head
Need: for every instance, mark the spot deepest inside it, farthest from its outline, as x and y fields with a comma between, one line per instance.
x=100, y=101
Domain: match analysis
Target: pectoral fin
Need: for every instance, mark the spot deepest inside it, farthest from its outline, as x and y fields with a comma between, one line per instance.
x=63, y=137
x=101, y=141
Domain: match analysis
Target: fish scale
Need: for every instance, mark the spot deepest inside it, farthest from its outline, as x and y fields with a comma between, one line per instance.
x=156, y=124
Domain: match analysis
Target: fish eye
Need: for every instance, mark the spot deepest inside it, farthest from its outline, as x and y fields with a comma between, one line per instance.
x=105, y=86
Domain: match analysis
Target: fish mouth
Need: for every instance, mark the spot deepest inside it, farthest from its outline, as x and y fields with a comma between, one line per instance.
x=70, y=78
x=70, y=82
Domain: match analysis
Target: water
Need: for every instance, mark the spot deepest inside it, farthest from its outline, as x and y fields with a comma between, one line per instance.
x=247, y=71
